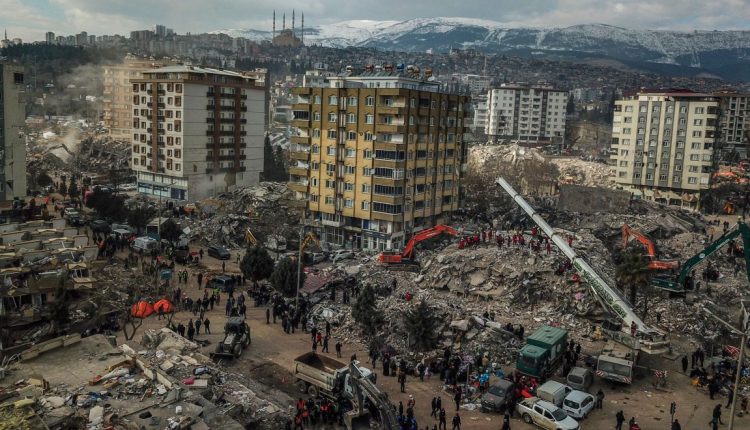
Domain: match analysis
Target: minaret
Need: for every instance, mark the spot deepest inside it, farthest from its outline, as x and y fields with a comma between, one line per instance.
x=283, y=22
x=293, y=33
x=274, y=25
x=302, y=36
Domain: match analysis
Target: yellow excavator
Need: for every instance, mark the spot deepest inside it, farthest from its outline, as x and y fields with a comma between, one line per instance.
x=250, y=238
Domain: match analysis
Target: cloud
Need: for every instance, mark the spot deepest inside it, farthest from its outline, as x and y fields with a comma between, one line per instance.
x=31, y=18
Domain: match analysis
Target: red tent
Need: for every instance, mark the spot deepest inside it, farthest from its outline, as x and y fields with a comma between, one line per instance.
x=165, y=306
x=142, y=309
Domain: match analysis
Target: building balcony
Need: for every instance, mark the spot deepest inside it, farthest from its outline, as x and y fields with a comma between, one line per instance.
x=301, y=106
x=296, y=170
x=391, y=128
x=378, y=162
x=301, y=123
x=298, y=186
x=380, y=216
x=387, y=198
x=301, y=90
x=389, y=110
x=303, y=140
x=332, y=223
x=300, y=155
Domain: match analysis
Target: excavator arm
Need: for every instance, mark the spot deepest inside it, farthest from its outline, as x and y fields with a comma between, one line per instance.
x=365, y=389
x=627, y=231
x=408, y=253
x=679, y=285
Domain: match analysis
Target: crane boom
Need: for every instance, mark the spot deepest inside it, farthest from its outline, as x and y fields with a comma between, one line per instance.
x=649, y=339
x=365, y=388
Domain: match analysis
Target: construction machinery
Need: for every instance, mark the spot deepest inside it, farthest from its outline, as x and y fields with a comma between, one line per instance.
x=236, y=338
x=628, y=232
x=647, y=339
x=406, y=258
x=679, y=285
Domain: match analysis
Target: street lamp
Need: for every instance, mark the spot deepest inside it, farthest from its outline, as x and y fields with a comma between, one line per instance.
x=740, y=357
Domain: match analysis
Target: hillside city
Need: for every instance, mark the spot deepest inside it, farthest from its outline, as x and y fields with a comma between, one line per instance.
x=375, y=224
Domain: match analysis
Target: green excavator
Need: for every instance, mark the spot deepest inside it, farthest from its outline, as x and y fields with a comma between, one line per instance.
x=679, y=285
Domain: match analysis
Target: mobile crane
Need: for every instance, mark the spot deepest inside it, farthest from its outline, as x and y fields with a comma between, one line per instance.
x=406, y=258
x=678, y=285
x=647, y=339
x=628, y=232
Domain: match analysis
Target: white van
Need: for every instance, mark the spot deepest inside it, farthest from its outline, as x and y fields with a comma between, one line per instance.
x=553, y=392
x=145, y=244
x=578, y=404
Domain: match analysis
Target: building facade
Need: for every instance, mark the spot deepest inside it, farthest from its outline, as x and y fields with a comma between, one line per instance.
x=12, y=145
x=526, y=114
x=196, y=131
x=118, y=94
x=663, y=145
x=376, y=157
x=734, y=124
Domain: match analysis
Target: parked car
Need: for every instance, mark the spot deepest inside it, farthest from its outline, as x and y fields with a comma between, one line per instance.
x=578, y=404
x=498, y=396
x=69, y=211
x=100, y=226
x=545, y=415
x=145, y=244
x=580, y=378
x=76, y=221
x=222, y=282
x=127, y=187
x=116, y=226
x=342, y=254
x=218, y=251
x=553, y=392
x=314, y=257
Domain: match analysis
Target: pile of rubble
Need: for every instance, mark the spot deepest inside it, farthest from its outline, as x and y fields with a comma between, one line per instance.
x=579, y=172
x=265, y=209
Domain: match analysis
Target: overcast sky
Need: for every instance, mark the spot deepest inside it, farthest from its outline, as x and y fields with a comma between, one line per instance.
x=30, y=19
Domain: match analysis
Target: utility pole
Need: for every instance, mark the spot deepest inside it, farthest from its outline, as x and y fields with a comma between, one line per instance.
x=740, y=357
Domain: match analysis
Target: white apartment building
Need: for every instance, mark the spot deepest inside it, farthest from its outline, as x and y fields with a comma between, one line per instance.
x=526, y=114
x=197, y=131
x=481, y=114
x=12, y=144
x=735, y=124
x=663, y=145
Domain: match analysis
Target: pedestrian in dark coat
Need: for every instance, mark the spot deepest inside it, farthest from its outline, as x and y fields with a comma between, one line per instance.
x=620, y=417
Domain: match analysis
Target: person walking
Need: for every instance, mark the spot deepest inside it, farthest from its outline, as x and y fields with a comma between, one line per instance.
x=268, y=316
x=442, y=421
x=730, y=397
x=684, y=363
x=599, y=399
x=620, y=418
x=325, y=344
x=191, y=331
x=456, y=422
x=198, y=326
x=716, y=415
x=457, y=398
x=402, y=380
x=207, y=326
x=506, y=421
x=676, y=425
x=338, y=349
x=433, y=406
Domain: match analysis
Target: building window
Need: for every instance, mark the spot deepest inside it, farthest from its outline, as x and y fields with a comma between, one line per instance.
x=316, y=99
x=692, y=179
x=369, y=101
x=351, y=135
x=329, y=200
x=351, y=118
x=366, y=188
x=352, y=101
x=697, y=133
x=348, y=186
x=315, y=149
x=368, y=136
x=350, y=170
x=366, y=171
x=333, y=100
x=332, y=134
x=314, y=198
x=316, y=132
x=698, y=110
x=331, y=117
x=330, y=183
x=351, y=152
x=348, y=203
x=369, y=119
x=330, y=150
x=365, y=205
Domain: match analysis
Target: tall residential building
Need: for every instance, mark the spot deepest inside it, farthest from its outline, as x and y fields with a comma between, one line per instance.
x=526, y=113
x=480, y=114
x=118, y=94
x=734, y=124
x=12, y=118
x=49, y=37
x=663, y=145
x=376, y=157
x=196, y=131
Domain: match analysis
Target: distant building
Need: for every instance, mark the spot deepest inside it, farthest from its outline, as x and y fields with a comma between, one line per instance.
x=198, y=131
x=82, y=38
x=316, y=78
x=376, y=157
x=526, y=113
x=481, y=114
x=160, y=30
x=49, y=37
x=118, y=94
x=663, y=145
x=734, y=124
x=12, y=117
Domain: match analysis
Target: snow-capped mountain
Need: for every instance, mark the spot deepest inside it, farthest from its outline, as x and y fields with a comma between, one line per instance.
x=715, y=51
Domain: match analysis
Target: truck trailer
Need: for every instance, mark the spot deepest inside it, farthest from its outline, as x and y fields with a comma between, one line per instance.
x=543, y=352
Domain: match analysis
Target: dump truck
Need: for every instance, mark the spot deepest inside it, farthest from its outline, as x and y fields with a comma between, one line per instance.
x=236, y=338
x=616, y=362
x=319, y=374
x=543, y=352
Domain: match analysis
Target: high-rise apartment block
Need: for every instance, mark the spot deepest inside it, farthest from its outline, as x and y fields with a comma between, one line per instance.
x=663, y=145
x=118, y=94
x=526, y=114
x=196, y=131
x=12, y=145
x=49, y=38
x=734, y=124
x=376, y=157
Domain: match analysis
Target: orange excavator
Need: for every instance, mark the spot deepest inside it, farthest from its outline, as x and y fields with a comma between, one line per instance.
x=406, y=258
x=655, y=264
